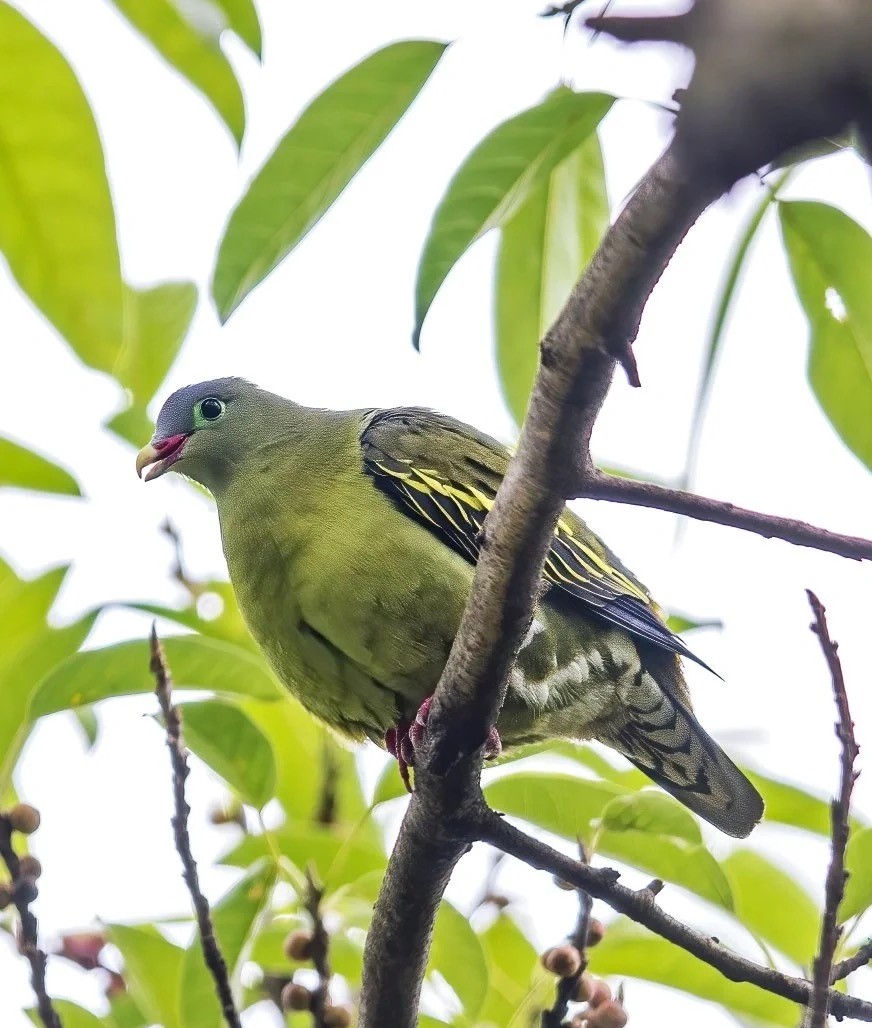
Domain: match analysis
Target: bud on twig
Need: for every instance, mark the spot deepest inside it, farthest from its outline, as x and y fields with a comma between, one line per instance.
x=564, y=961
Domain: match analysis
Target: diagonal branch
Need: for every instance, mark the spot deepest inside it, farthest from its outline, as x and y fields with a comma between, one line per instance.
x=179, y=759
x=600, y=486
x=641, y=906
x=840, y=813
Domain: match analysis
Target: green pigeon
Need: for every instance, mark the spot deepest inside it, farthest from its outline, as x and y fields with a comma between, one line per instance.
x=351, y=539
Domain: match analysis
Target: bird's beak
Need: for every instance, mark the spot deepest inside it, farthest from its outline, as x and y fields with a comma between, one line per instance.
x=160, y=454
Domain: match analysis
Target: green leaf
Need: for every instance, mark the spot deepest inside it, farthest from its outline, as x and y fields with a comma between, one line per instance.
x=515, y=984
x=562, y=804
x=57, y=224
x=70, y=1014
x=30, y=650
x=23, y=469
x=858, y=863
x=302, y=748
x=773, y=905
x=789, y=805
x=87, y=721
x=831, y=259
x=500, y=174
x=339, y=855
x=242, y=19
x=652, y=812
x=314, y=162
x=192, y=48
x=234, y=918
x=156, y=322
x=123, y=670
x=544, y=247
x=152, y=971
x=228, y=741
x=723, y=307
x=681, y=623
x=457, y=954
x=574, y=807
x=628, y=950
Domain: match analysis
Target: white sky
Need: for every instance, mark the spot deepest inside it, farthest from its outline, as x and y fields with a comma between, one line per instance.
x=332, y=327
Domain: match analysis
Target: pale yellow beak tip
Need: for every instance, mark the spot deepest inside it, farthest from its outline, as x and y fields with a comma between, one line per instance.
x=147, y=455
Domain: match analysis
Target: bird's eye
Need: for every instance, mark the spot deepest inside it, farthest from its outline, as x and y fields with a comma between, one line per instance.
x=211, y=409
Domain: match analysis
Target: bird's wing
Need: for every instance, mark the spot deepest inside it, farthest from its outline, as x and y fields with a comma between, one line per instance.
x=446, y=474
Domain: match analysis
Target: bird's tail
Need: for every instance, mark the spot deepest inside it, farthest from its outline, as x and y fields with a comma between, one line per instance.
x=661, y=736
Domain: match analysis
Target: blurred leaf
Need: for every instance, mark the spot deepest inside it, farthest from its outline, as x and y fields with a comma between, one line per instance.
x=301, y=747
x=234, y=918
x=572, y=807
x=314, y=162
x=70, y=1014
x=628, y=950
x=123, y=670
x=124, y=1013
x=723, y=307
x=24, y=469
x=653, y=812
x=152, y=971
x=156, y=321
x=339, y=855
x=559, y=803
x=858, y=863
x=789, y=805
x=500, y=174
x=389, y=785
x=514, y=982
x=831, y=259
x=191, y=47
x=226, y=624
x=57, y=224
x=456, y=953
x=30, y=650
x=671, y=858
x=681, y=623
x=87, y=721
x=222, y=736
x=243, y=20
x=544, y=247
x=773, y=905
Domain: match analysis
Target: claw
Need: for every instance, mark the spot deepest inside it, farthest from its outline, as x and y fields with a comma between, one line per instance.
x=402, y=741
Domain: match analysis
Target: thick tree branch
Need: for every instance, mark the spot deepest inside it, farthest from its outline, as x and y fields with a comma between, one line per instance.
x=840, y=813
x=23, y=892
x=600, y=486
x=179, y=760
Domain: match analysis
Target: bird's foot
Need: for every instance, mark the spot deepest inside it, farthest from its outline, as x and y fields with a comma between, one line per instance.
x=402, y=742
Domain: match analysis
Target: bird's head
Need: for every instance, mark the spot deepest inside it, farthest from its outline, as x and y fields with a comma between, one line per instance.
x=203, y=430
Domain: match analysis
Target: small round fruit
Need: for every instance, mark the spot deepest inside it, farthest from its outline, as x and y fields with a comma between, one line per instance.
x=609, y=1015
x=23, y=818
x=30, y=867
x=596, y=931
x=564, y=961
x=298, y=946
x=296, y=997
x=337, y=1017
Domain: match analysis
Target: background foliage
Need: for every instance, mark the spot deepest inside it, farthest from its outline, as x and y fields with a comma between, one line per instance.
x=537, y=181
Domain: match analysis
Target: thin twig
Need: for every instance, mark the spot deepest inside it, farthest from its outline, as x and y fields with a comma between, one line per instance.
x=179, y=759
x=601, y=486
x=28, y=935
x=326, y=813
x=568, y=987
x=853, y=963
x=320, y=950
x=640, y=905
x=840, y=813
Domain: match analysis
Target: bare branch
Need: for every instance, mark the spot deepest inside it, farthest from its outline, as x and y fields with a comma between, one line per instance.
x=600, y=486
x=853, y=963
x=23, y=893
x=179, y=759
x=320, y=951
x=641, y=906
x=840, y=813
x=568, y=987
